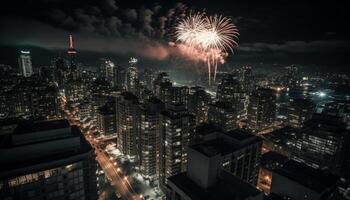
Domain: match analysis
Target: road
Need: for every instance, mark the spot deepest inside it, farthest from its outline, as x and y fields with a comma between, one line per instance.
x=109, y=166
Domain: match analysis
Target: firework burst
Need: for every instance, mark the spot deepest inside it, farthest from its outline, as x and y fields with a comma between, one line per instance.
x=207, y=38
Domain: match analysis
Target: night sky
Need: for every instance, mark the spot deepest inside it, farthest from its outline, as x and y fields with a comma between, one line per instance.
x=289, y=32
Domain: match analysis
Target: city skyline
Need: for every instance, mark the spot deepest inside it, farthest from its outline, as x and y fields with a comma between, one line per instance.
x=195, y=100
x=288, y=34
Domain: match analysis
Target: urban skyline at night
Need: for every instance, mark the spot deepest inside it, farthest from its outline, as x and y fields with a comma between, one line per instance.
x=195, y=100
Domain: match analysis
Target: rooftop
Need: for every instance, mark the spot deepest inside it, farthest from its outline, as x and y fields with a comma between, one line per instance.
x=315, y=179
x=227, y=187
x=207, y=128
x=17, y=158
x=214, y=147
x=30, y=126
x=240, y=134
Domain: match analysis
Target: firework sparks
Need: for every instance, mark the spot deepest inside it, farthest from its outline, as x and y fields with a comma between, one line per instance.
x=208, y=39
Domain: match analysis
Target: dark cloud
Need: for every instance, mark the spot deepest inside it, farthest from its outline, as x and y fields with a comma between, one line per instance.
x=320, y=46
x=265, y=28
x=130, y=14
x=109, y=5
x=56, y=39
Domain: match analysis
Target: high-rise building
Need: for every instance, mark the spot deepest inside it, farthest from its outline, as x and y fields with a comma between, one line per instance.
x=75, y=90
x=198, y=104
x=239, y=151
x=323, y=143
x=149, y=77
x=299, y=111
x=106, y=119
x=120, y=77
x=30, y=97
x=72, y=55
x=206, y=179
x=128, y=123
x=47, y=160
x=261, y=109
x=231, y=90
x=170, y=94
x=25, y=64
x=177, y=125
x=223, y=115
x=340, y=108
x=291, y=76
x=132, y=79
x=150, y=131
x=247, y=79
x=99, y=93
x=60, y=67
x=107, y=70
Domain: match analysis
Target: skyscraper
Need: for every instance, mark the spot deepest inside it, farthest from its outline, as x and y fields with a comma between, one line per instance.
x=128, y=124
x=107, y=70
x=47, y=160
x=199, y=105
x=119, y=77
x=247, y=79
x=223, y=115
x=299, y=111
x=132, y=79
x=151, y=127
x=73, y=73
x=231, y=90
x=170, y=94
x=261, y=109
x=72, y=54
x=291, y=76
x=177, y=125
x=25, y=64
x=106, y=118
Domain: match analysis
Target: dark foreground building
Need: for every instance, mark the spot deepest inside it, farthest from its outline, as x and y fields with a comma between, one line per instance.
x=205, y=179
x=46, y=160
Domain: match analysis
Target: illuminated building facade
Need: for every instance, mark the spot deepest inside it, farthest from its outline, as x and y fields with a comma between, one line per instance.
x=222, y=114
x=56, y=163
x=247, y=79
x=25, y=64
x=150, y=131
x=198, y=104
x=299, y=111
x=132, y=79
x=231, y=90
x=170, y=94
x=120, y=77
x=128, y=123
x=106, y=119
x=176, y=128
x=261, y=109
x=30, y=97
x=72, y=55
x=107, y=70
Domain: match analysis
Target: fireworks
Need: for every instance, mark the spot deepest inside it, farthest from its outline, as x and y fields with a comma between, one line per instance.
x=207, y=38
